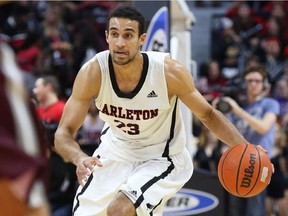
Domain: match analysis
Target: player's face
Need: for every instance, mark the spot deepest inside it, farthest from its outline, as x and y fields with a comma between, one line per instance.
x=254, y=83
x=124, y=40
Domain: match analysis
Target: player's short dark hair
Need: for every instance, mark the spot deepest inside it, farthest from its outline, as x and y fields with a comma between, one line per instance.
x=128, y=12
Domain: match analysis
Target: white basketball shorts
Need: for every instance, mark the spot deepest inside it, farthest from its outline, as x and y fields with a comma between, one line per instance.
x=147, y=184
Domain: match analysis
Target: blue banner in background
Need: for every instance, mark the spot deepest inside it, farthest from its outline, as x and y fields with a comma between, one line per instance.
x=202, y=195
x=158, y=32
x=190, y=202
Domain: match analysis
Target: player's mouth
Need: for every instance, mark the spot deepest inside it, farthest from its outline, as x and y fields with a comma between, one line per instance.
x=121, y=54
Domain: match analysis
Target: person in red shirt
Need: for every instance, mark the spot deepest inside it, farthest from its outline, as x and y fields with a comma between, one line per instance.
x=62, y=175
x=49, y=106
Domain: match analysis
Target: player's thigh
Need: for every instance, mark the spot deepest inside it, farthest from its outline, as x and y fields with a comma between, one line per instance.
x=154, y=182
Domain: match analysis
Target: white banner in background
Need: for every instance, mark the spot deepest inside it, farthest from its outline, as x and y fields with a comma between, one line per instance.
x=157, y=33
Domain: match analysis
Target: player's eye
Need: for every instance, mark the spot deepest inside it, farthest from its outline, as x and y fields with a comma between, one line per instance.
x=128, y=35
x=114, y=34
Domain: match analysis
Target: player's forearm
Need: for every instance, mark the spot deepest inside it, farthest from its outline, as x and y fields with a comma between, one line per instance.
x=224, y=129
x=67, y=147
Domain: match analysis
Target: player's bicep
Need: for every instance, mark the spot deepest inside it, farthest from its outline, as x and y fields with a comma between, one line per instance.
x=180, y=83
x=87, y=82
x=179, y=79
x=86, y=86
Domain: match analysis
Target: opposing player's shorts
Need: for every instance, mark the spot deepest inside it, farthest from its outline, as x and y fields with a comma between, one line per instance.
x=148, y=184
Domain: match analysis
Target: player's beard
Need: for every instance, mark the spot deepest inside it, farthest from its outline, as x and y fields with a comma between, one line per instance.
x=123, y=61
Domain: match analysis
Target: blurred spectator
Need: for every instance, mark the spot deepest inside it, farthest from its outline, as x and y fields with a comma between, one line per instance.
x=54, y=37
x=47, y=93
x=62, y=178
x=92, y=126
x=211, y=81
x=275, y=198
x=23, y=148
x=252, y=50
x=284, y=117
x=203, y=158
x=226, y=48
x=285, y=70
x=273, y=60
x=247, y=26
x=274, y=28
x=253, y=61
x=285, y=155
x=86, y=43
x=262, y=34
x=18, y=25
x=255, y=118
x=281, y=95
x=28, y=53
x=5, y=12
x=56, y=58
x=244, y=18
x=275, y=9
x=54, y=32
x=218, y=151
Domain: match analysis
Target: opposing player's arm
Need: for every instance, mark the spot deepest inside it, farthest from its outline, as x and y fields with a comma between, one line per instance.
x=86, y=85
x=180, y=83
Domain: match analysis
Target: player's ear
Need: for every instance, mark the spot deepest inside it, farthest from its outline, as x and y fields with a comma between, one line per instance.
x=142, y=39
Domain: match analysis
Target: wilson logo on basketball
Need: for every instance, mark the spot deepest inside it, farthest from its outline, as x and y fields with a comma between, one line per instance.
x=246, y=181
x=245, y=170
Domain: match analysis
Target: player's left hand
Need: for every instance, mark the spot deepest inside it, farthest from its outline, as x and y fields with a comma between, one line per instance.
x=85, y=167
x=262, y=149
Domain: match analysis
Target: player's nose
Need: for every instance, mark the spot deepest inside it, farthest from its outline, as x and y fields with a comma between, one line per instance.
x=120, y=42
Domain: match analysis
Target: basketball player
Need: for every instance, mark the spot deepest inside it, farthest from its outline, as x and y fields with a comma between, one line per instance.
x=142, y=160
x=23, y=160
x=255, y=119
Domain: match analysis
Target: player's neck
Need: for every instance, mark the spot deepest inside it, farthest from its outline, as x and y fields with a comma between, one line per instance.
x=131, y=71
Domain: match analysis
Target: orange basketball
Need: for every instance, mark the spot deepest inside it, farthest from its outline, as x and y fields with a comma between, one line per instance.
x=244, y=170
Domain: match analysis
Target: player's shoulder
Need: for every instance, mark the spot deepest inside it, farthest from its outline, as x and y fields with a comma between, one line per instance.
x=156, y=56
x=174, y=67
x=155, y=53
x=93, y=65
x=90, y=73
x=103, y=55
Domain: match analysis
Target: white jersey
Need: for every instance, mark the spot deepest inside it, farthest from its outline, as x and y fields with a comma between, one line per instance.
x=143, y=143
x=143, y=124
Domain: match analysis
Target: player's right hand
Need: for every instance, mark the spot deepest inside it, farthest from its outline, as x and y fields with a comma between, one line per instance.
x=85, y=167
